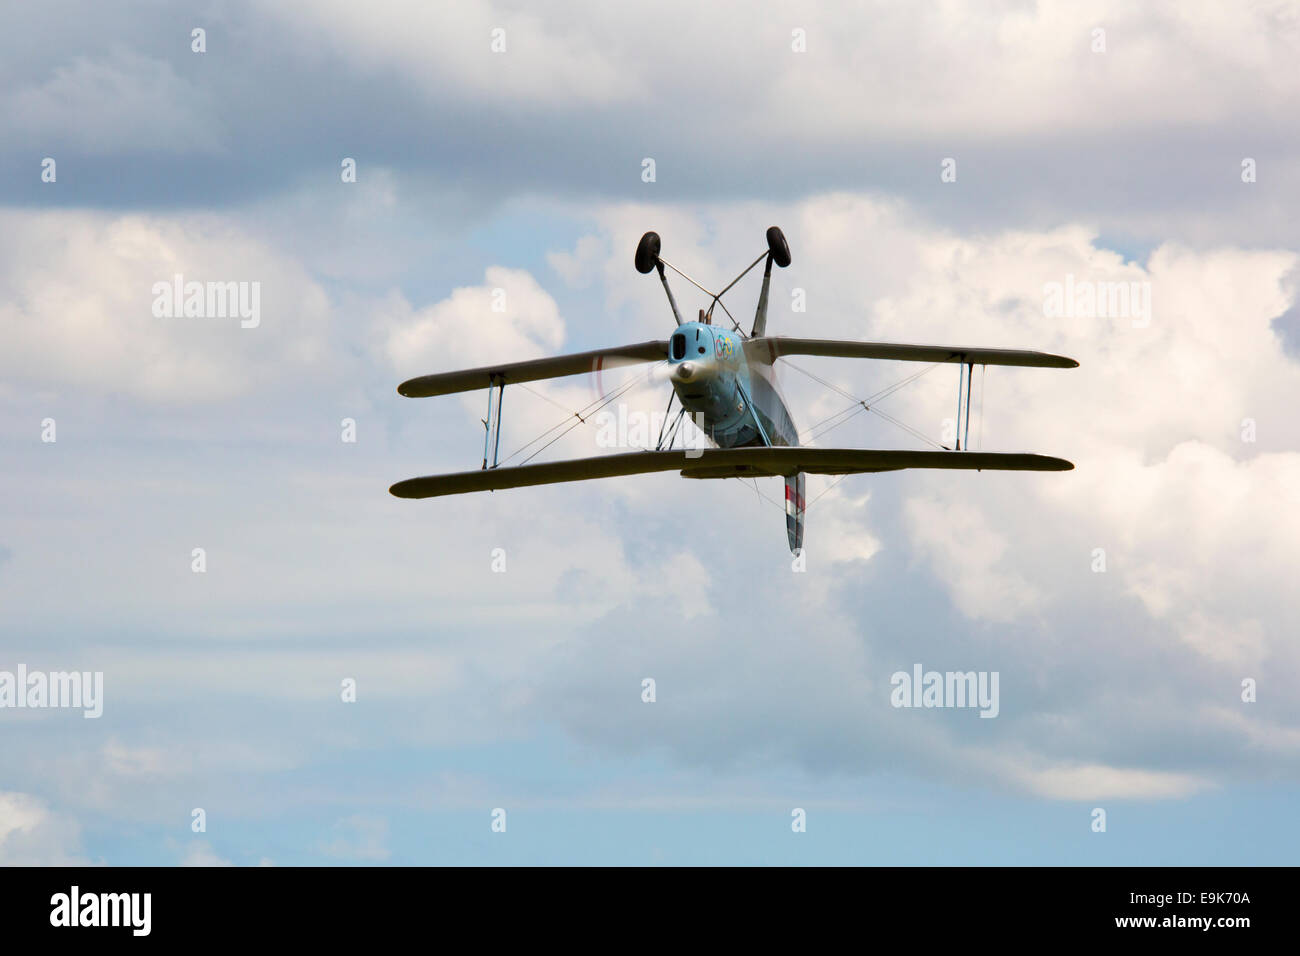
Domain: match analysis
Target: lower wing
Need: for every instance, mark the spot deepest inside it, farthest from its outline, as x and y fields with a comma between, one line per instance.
x=722, y=463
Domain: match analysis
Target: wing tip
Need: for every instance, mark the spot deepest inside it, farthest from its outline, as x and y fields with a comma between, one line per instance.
x=1052, y=360
x=404, y=489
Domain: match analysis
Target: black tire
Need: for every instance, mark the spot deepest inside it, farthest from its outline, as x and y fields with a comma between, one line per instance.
x=777, y=245
x=647, y=252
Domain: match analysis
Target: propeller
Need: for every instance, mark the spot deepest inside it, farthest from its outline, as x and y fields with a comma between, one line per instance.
x=649, y=377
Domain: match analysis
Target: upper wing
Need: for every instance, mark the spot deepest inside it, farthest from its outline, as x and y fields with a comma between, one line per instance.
x=444, y=383
x=722, y=463
x=768, y=349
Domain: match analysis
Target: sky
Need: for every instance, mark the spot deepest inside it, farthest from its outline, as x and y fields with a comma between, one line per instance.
x=349, y=678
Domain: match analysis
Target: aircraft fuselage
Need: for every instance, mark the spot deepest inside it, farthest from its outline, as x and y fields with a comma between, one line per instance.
x=736, y=402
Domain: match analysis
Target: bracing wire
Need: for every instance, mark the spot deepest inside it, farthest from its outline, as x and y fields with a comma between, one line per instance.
x=868, y=403
x=581, y=415
x=620, y=392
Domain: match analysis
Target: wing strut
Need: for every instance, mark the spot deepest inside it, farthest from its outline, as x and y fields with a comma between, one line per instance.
x=970, y=382
x=492, y=424
x=965, y=382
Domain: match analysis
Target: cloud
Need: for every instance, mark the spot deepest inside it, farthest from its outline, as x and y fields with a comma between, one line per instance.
x=969, y=555
x=359, y=837
x=445, y=52
x=991, y=568
x=756, y=666
x=77, y=297
x=520, y=171
x=200, y=853
x=33, y=835
x=1014, y=70
x=1110, y=783
x=580, y=267
x=121, y=103
x=1043, y=129
x=1191, y=517
x=509, y=318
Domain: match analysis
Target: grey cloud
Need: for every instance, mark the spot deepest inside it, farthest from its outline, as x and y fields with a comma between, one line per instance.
x=280, y=98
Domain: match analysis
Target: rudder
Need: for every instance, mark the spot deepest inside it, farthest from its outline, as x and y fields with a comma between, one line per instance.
x=795, y=504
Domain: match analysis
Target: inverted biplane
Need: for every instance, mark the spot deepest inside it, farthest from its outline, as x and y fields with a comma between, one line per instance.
x=725, y=380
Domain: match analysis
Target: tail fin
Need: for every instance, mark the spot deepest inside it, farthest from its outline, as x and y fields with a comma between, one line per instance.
x=794, y=510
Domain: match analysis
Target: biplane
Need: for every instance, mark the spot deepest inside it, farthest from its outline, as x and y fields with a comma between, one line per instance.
x=725, y=381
